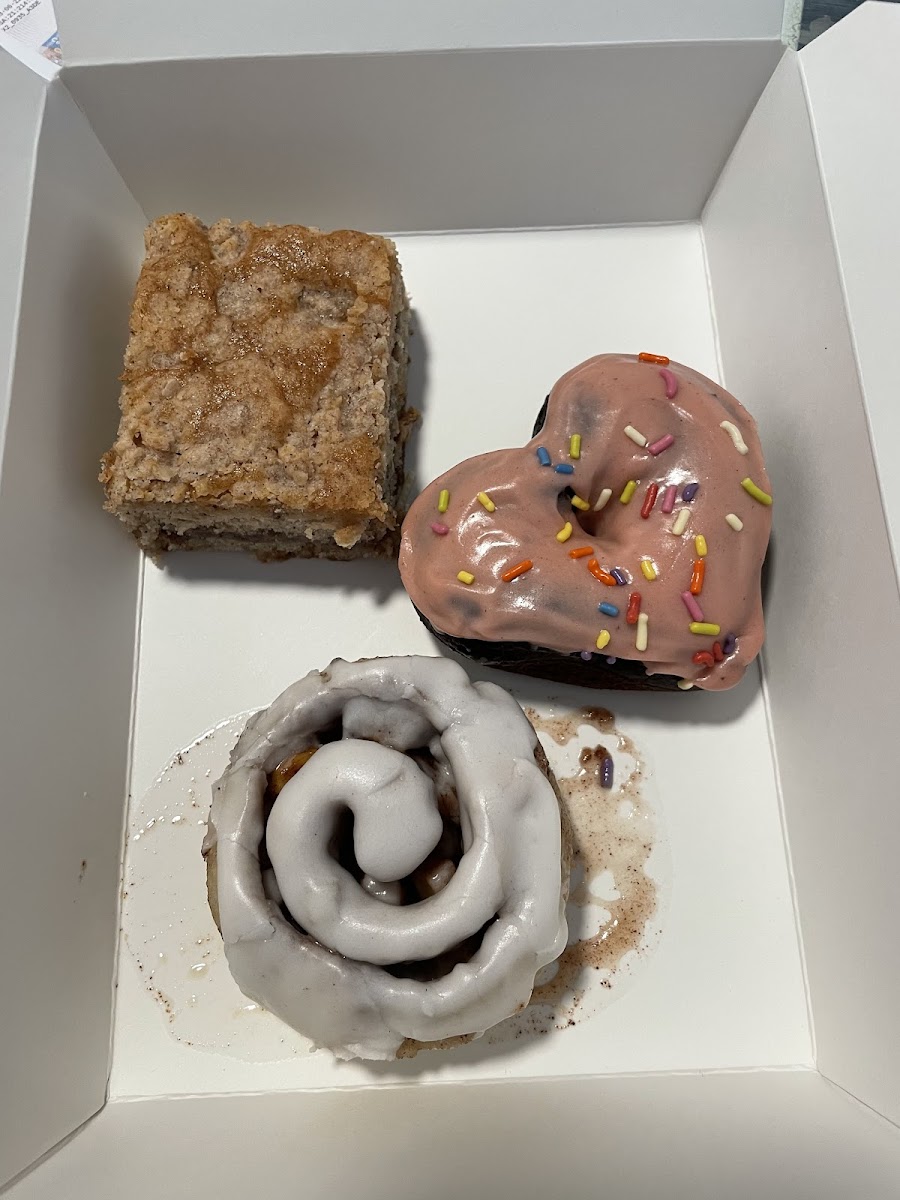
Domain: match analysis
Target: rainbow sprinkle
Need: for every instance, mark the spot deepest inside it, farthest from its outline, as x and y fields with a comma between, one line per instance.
x=443, y=501
x=603, y=499
x=696, y=612
x=729, y=643
x=603, y=639
x=669, y=498
x=465, y=577
x=679, y=525
x=634, y=608
x=659, y=359
x=649, y=500
x=648, y=569
x=565, y=533
x=671, y=382
x=599, y=573
x=661, y=444
x=685, y=685
x=587, y=655
x=700, y=545
x=606, y=771
x=697, y=572
x=703, y=658
x=689, y=492
x=486, y=502
x=619, y=576
x=543, y=455
x=735, y=434
x=519, y=569
x=581, y=552
x=636, y=437
x=440, y=529
x=564, y=469
x=704, y=628
x=577, y=502
x=575, y=446
x=608, y=610
x=628, y=491
x=735, y=522
x=640, y=637
x=756, y=492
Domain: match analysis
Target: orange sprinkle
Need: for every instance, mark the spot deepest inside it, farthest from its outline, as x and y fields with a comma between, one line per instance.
x=519, y=569
x=697, y=573
x=598, y=573
x=581, y=552
x=654, y=358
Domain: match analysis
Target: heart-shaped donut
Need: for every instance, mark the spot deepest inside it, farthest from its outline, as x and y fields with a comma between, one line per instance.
x=621, y=547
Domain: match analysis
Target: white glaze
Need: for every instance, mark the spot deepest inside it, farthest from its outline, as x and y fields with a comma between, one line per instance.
x=334, y=989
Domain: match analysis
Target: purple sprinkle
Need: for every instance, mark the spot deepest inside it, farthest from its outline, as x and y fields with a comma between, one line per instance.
x=619, y=576
x=611, y=660
x=587, y=655
x=564, y=469
x=606, y=772
x=690, y=491
x=729, y=644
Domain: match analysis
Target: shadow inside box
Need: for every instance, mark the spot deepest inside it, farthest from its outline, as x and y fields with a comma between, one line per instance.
x=502, y=1042
x=416, y=392
x=380, y=577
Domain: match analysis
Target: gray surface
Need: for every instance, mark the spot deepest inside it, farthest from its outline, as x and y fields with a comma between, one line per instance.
x=819, y=15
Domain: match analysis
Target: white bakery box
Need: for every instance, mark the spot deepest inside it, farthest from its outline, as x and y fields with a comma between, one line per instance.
x=551, y=201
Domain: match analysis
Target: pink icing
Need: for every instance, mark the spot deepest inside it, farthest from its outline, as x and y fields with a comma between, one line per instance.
x=555, y=604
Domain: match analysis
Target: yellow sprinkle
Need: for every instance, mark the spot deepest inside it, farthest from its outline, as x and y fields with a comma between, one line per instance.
x=443, y=501
x=565, y=533
x=705, y=628
x=603, y=639
x=575, y=446
x=735, y=522
x=679, y=525
x=649, y=569
x=603, y=499
x=685, y=685
x=628, y=491
x=486, y=501
x=637, y=437
x=466, y=577
x=577, y=502
x=700, y=545
x=756, y=492
x=640, y=637
x=735, y=434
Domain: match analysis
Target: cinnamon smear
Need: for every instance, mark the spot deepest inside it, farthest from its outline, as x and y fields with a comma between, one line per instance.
x=612, y=831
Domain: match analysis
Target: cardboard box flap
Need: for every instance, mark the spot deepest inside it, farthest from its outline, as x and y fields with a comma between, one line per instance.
x=740, y=1135
x=854, y=99
x=833, y=616
x=68, y=604
x=97, y=30
x=493, y=139
x=21, y=102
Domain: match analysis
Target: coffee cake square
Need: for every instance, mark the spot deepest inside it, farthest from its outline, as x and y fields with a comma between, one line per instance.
x=264, y=392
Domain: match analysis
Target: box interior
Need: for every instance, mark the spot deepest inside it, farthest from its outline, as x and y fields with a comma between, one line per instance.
x=494, y=139
x=818, y=426
x=500, y=316
x=221, y=635
x=700, y=1137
